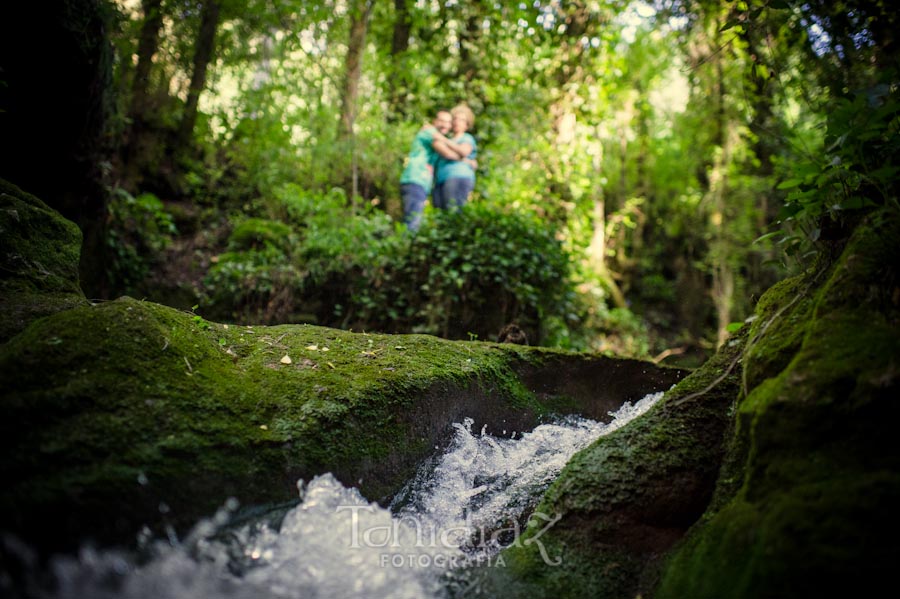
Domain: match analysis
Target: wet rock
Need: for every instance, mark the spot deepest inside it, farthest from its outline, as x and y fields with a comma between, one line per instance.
x=38, y=261
x=126, y=413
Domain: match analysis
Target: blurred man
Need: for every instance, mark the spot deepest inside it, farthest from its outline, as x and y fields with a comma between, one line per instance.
x=418, y=174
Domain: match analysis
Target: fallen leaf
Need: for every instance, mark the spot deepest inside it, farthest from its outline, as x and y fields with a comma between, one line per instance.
x=286, y=359
x=312, y=347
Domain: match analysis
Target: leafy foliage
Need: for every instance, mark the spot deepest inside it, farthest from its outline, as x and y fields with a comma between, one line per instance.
x=648, y=138
x=465, y=272
x=857, y=172
x=139, y=228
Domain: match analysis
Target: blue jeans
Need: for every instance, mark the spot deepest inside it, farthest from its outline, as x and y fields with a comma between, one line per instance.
x=453, y=193
x=414, y=198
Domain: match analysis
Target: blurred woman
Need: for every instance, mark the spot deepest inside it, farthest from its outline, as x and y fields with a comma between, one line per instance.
x=455, y=179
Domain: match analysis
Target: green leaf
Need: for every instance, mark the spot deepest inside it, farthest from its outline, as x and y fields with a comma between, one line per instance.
x=762, y=238
x=729, y=25
x=790, y=183
x=852, y=203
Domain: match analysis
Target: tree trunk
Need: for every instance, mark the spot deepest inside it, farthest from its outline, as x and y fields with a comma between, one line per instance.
x=597, y=253
x=398, y=83
x=763, y=123
x=147, y=46
x=359, y=24
x=402, y=27
x=470, y=42
x=203, y=54
x=133, y=152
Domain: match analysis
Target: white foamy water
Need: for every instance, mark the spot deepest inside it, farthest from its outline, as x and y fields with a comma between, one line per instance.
x=460, y=509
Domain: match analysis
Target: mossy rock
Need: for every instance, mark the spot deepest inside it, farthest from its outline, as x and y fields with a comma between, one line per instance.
x=769, y=472
x=112, y=410
x=38, y=261
x=127, y=413
x=626, y=499
x=815, y=510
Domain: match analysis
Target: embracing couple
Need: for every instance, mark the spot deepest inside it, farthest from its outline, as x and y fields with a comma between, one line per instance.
x=446, y=164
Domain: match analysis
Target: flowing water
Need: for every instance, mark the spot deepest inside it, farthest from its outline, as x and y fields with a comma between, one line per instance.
x=460, y=510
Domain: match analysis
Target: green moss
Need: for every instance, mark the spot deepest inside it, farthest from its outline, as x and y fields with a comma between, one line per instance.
x=806, y=475
x=825, y=538
x=814, y=510
x=552, y=568
x=624, y=499
x=778, y=329
x=131, y=403
x=41, y=248
x=39, y=261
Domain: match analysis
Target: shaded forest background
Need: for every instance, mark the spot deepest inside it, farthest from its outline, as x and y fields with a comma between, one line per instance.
x=646, y=170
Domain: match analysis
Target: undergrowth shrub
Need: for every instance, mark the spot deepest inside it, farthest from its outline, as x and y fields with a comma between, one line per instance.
x=139, y=229
x=467, y=274
x=335, y=241
x=298, y=265
x=462, y=275
x=856, y=174
x=256, y=280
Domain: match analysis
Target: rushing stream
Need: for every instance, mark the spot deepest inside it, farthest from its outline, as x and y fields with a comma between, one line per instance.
x=461, y=509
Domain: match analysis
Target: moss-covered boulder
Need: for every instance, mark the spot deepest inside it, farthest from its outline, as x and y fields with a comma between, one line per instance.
x=621, y=503
x=125, y=413
x=38, y=261
x=772, y=471
x=815, y=510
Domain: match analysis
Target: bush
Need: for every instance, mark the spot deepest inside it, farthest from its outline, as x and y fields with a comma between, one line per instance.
x=334, y=240
x=256, y=280
x=828, y=194
x=464, y=274
x=139, y=230
x=258, y=234
x=467, y=274
x=298, y=266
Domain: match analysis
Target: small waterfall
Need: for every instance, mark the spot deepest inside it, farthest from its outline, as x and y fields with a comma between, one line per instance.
x=460, y=509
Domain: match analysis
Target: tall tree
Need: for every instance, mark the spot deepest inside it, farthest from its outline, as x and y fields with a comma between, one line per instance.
x=148, y=43
x=359, y=24
x=398, y=77
x=135, y=144
x=360, y=10
x=470, y=49
x=203, y=54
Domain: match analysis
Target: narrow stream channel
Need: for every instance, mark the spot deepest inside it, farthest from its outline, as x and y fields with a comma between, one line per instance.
x=460, y=510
